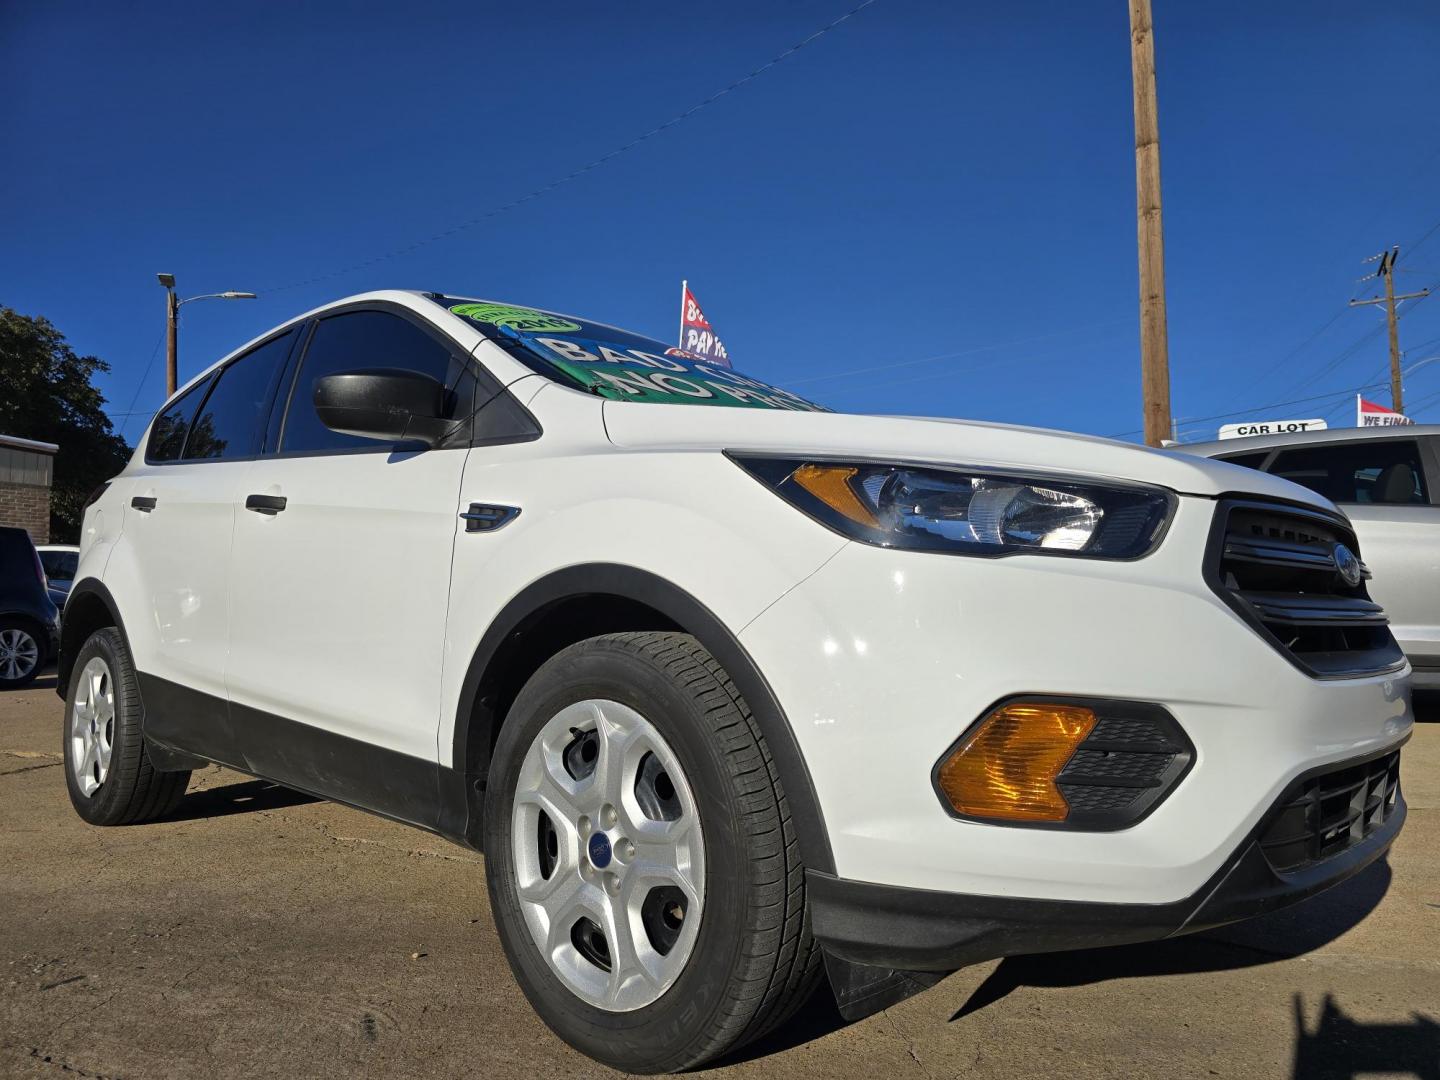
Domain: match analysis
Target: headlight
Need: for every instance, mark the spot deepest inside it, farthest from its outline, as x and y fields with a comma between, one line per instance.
x=966, y=512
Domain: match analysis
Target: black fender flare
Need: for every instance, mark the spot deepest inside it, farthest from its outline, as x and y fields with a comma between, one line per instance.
x=474, y=733
x=69, y=643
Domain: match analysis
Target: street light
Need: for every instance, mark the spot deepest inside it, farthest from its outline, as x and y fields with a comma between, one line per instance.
x=1419, y=364
x=172, y=323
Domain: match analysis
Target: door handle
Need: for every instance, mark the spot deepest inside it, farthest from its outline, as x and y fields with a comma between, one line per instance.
x=143, y=503
x=265, y=504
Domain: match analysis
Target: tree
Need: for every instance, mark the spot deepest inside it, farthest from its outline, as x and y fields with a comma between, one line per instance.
x=47, y=393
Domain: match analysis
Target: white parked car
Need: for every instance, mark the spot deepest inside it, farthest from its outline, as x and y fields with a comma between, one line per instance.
x=735, y=693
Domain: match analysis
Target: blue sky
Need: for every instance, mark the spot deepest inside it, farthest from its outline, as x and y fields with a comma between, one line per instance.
x=929, y=179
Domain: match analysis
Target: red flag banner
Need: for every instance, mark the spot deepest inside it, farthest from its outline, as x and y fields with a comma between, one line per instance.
x=697, y=336
x=1368, y=414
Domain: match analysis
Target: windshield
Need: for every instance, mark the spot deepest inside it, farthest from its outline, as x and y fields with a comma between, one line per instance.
x=617, y=364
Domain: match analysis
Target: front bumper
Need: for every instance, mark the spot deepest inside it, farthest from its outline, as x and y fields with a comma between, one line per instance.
x=924, y=930
x=882, y=658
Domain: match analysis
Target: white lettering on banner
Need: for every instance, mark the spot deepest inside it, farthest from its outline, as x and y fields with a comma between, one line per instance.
x=611, y=356
x=677, y=385
x=631, y=384
x=567, y=349
x=658, y=361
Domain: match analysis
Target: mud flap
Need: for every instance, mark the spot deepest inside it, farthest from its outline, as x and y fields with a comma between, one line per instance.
x=861, y=990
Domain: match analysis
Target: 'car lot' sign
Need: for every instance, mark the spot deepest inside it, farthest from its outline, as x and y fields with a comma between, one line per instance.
x=1270, y=427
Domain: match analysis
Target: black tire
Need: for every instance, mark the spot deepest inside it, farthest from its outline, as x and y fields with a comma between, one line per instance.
x=133, y=790
x=754, y=960
x=22, y=633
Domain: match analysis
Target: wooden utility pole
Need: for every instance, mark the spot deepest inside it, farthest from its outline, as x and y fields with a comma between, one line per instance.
x=172, y=325
x=1154, y=343
x=1387, y=271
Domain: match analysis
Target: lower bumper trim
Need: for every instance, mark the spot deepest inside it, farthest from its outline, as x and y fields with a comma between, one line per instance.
x=924, y=930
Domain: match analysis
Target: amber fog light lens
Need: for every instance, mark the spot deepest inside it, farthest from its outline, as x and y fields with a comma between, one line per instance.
x=1006, y=770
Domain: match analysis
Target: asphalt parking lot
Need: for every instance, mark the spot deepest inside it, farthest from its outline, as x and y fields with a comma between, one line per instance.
x=261, y=932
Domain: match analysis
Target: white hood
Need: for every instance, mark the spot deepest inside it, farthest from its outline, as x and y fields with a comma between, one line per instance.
x=938, y=440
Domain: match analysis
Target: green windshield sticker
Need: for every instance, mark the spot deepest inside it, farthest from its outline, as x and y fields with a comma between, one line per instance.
x=527, y=320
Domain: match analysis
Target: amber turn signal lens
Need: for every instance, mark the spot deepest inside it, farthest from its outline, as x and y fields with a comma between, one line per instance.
x=831, y=485
x=1006, y=770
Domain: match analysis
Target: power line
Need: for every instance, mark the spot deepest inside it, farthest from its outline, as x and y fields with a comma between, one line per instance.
x=1424, y=403
x=1298, y=349
x=893, y=364
x=1284, y=360
x=575, y=174
x=140, y=387
x=1428, y=233
x=1351, y=350
x=1257, y=408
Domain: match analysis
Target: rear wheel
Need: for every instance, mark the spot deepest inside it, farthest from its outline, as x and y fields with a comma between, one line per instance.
x=20, y=654
x=641, y=860
x=109, y=775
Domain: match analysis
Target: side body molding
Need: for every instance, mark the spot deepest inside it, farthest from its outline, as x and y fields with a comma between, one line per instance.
x=476, y=721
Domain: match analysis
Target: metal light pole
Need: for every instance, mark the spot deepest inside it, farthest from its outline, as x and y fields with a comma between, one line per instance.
x=172, y=325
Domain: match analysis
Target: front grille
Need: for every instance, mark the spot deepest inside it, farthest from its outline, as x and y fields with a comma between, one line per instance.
x=1327, y=814
x=1277, y=567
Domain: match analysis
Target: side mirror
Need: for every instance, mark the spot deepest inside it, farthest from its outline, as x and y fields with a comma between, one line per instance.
x=383, y=403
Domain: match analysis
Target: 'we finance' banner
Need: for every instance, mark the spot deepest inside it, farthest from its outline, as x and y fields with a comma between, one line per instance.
x=1368, y=414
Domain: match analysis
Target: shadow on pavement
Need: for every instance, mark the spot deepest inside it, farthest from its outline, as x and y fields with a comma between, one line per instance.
x=1340, y=1048
x=1427, y=706
x=42, y=682
x=242, y=797
x=816, y=1018
x=1282, y=935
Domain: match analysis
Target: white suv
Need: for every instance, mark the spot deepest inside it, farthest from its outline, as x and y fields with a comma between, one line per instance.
x=730, y=689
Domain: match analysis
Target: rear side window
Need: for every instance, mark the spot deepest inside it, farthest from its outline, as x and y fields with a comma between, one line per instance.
x=1384, y=471
x=167, y=434
x=367, y=339
x=60, y=565
x=228, y=423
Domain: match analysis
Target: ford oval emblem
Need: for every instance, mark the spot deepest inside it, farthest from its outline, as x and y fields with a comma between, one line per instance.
x=1347, y=565
x=599, y=847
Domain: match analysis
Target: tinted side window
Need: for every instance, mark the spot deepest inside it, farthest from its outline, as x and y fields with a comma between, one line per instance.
x=60, y=565
x=229, y=421
x=1383, y=471
x=366, y=339
x=167, y=434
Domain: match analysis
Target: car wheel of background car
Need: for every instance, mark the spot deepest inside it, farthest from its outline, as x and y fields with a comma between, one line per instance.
x=107, y=770
x=20, y=654
x=641, y=859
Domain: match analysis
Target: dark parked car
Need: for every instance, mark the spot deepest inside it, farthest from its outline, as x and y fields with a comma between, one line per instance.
x=29, y=619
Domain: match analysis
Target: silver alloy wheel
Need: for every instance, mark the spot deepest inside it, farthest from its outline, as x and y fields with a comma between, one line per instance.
x=609, y=855
x=92, y=726
x=19, y=653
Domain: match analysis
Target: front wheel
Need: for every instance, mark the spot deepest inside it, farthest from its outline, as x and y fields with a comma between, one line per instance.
x=642, y=863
